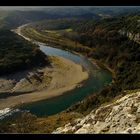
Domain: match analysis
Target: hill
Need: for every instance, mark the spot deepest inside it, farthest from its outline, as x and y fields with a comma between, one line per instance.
x=17, y=54
x=15, y=18
x=119, y=116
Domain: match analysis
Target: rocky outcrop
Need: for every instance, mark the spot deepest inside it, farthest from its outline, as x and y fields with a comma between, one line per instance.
x=121, y=116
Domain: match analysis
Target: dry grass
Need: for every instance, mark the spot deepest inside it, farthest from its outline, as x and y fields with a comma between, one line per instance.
x=56, y=61
x=48, y=124
x=53, y=37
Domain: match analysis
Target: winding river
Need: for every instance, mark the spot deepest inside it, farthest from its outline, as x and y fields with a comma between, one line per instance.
x=98, y=78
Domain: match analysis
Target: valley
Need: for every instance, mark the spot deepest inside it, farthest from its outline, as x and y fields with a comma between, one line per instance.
x=70, y=72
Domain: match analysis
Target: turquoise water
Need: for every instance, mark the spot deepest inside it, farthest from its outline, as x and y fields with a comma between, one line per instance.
x=98, y=78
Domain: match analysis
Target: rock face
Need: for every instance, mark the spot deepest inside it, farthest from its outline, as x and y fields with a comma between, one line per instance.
x=121, y=116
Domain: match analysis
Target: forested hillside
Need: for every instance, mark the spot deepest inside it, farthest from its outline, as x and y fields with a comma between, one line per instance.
x=114, y=41
x=120, y=51
x=17, y=54
x=13, y=19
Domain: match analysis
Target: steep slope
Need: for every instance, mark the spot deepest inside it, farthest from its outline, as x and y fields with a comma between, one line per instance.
x=120, y=116
x=18, y=54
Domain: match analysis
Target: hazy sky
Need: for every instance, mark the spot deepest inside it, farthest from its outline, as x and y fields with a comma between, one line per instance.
x=33, y=7
x=40, y=7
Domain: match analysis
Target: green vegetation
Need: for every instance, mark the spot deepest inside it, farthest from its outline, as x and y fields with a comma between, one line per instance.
x=55, y=38
x=13, y=19
x=29, y=123
x=18, y=54
x=112, y=42
x=117, y=51
x=109, y=46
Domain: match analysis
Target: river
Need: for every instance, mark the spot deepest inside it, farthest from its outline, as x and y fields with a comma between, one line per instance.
x=98, y=78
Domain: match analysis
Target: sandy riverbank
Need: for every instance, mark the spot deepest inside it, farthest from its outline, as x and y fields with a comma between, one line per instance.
x=65, y=75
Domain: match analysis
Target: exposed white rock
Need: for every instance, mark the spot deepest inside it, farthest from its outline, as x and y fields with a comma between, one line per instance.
x=121, y=116
x=4, y=111
x=81, y=131
x=7, y=112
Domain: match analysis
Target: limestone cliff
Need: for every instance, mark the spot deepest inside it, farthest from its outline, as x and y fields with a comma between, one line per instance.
x=120, y=116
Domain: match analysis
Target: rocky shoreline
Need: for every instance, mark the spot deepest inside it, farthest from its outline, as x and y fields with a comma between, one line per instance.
x=120, y=116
